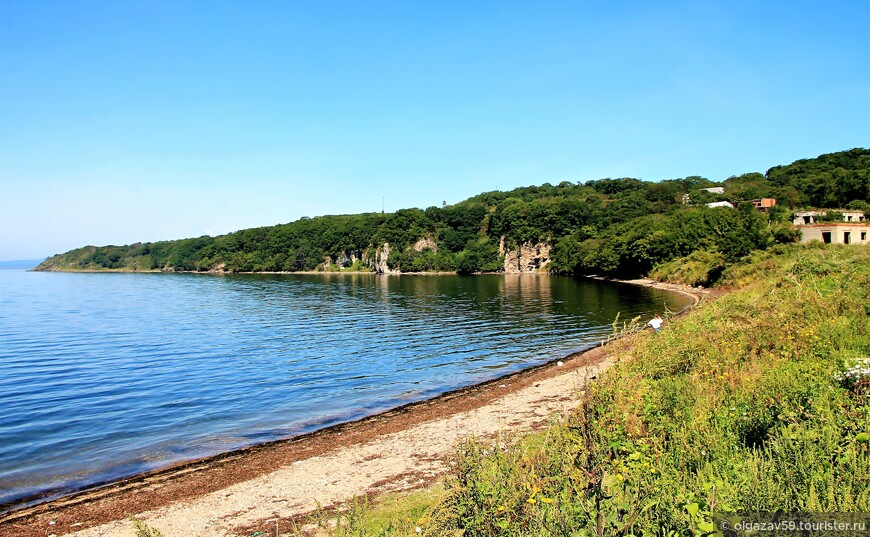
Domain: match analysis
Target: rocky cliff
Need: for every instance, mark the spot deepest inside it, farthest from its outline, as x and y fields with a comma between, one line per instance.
x=426, y=243
x=528, y=257
x=380, y=261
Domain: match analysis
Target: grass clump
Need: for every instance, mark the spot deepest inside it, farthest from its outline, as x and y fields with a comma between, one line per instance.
x=389, y=515
x=142, y=529
x=754, y=402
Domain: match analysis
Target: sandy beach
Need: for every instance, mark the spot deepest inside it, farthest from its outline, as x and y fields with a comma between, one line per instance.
x=402, y=449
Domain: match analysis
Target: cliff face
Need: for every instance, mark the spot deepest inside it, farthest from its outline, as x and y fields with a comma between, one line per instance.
x=347, y=259
x=528, y=258
x=372, y=259
x=426, y=243
x=381, y=257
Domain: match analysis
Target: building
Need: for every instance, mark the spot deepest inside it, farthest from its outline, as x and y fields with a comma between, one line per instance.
x=837, y=233
x=719, y=204
x=764, y=204
x=854, y=228
x=811, y=217
x=715, y=190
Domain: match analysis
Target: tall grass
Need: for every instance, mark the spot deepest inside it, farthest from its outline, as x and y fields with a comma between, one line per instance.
x=737, y=406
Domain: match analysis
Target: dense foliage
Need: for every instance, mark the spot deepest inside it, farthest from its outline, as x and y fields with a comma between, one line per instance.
x=615, y=227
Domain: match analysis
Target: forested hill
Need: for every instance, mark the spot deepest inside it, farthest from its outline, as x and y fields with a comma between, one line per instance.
x=614, y=227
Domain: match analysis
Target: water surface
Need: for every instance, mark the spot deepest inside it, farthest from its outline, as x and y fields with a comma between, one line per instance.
x=107, y=375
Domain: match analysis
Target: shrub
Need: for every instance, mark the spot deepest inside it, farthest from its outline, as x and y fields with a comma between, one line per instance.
x=702, y=267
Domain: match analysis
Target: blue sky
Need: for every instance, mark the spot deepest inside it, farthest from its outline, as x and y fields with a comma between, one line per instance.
x=150, y=120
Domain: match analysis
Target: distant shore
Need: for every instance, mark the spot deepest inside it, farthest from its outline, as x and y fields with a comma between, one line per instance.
x=222, y=273
x=400, y=449
x=643, y=282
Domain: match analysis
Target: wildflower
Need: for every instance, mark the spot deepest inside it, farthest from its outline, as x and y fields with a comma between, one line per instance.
x=546, y=500
x=500, y=508
x=854, y=377
x=531, y=501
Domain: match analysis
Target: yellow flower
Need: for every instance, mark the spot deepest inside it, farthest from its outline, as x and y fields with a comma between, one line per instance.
x=547, y=500
x=531, y=500
x=501, y=508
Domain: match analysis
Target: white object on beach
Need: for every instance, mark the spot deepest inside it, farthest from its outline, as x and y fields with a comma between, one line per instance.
x=559, y=363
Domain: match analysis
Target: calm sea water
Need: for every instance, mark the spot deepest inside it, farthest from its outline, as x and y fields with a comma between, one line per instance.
x=107, y=375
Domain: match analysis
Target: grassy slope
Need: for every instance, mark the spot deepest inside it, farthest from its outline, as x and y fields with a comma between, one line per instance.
x=733, y=407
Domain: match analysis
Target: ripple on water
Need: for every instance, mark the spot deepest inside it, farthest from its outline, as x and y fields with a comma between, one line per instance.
x=106, y=375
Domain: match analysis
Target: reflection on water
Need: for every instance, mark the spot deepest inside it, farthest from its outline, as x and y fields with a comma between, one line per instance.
x=104, y=375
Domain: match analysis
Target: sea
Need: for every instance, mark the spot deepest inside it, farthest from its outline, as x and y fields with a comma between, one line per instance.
x=107, y=375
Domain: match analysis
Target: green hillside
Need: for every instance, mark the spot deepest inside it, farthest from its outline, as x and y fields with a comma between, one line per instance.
x=615, y=227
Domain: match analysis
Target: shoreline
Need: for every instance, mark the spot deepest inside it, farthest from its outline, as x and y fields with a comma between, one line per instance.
x=193, y=480
x=112, y=501
x=291, y=272
x=95, y=490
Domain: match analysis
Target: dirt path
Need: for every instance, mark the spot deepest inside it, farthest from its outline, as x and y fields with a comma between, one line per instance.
x=405, y=448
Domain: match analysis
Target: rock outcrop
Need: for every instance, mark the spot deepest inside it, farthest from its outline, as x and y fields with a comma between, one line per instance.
x=381, y=257
x=426, y=243
x=343, y=260
x=346, y=259
x=528, y=258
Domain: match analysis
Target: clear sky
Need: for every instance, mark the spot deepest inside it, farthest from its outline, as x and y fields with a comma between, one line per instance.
x=125, y=121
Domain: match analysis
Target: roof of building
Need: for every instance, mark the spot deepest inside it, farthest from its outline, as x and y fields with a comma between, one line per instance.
x=810, y=212
x=837, y=224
